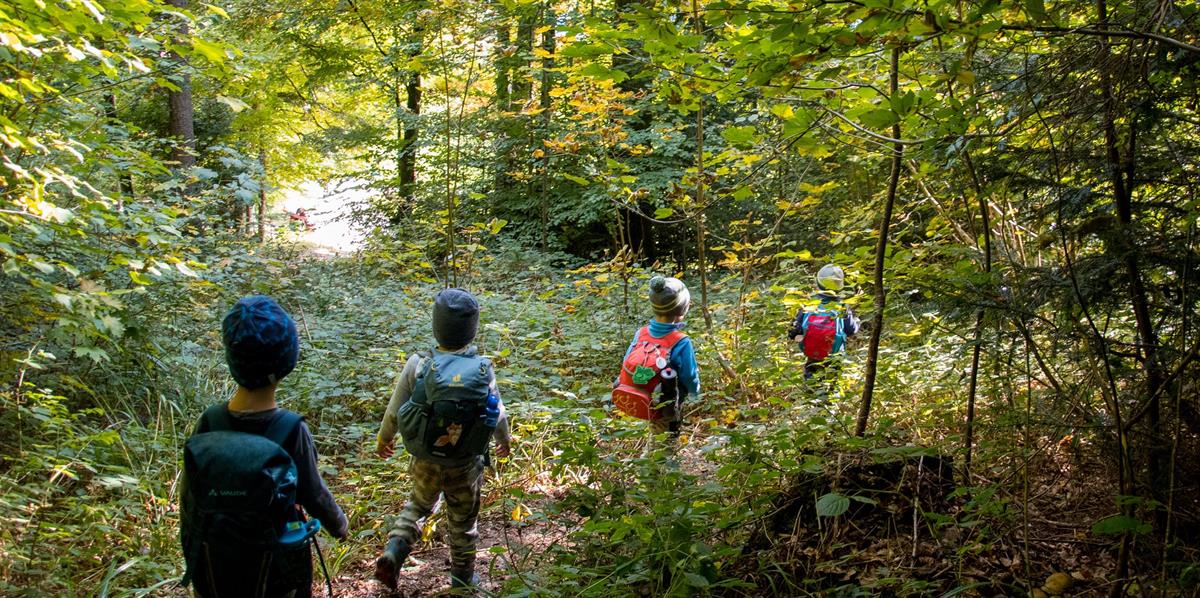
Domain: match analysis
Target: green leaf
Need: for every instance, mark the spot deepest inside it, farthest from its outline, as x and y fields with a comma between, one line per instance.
x=603, y=73
x=586, y=50
x=878, y=118
x=739, y=135
x=904, y=103
x=234, y=104
x=96, y=354
x=782, y=111
x=576, y=179
x=113, y=325
x=832, y=505
x=217, y=10
x=210, y=51
x=663, y=213
x=1119, y=524
x=1036, y=9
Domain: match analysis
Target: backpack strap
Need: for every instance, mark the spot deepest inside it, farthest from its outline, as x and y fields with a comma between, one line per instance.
x=282, y=427
x=216, y=418
x=804, y=323
x=427, y=364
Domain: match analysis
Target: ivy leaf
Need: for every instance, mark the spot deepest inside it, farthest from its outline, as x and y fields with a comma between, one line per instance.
x=832, y=505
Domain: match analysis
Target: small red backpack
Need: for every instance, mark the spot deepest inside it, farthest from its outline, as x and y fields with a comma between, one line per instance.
x=823, y=334
x=641, y=373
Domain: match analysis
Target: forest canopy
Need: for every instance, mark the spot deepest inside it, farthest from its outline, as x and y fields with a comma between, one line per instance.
x=1011, y=188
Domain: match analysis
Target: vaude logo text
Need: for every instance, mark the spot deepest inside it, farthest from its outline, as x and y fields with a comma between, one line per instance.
x=215, y=492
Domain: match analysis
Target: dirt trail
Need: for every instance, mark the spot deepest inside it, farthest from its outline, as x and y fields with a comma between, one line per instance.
x=524, y=543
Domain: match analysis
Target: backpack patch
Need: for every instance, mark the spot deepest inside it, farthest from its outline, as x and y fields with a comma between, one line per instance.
x=823, y=334
x=641, y=373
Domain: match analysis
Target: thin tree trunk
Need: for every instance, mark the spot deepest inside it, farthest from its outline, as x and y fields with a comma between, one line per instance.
x=408, y=146
x=522, y=83
x=701, y=248
x=124, y=179
x=181, y=125
x=548, y=44
x=1122, y=197
x=262, y=197
x=979, y=315
x=885, y=222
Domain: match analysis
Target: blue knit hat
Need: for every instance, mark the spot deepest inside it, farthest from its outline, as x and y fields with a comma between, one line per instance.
x=455, y=318
x=261, y=344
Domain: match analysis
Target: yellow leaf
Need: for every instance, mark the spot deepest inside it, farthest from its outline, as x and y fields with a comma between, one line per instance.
x=520, y=513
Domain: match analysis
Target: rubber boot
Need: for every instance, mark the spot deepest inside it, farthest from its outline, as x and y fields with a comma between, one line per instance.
x=463, y=577
x=387, y=566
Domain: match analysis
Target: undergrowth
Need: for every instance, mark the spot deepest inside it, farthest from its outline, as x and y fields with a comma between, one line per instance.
x=92, y=453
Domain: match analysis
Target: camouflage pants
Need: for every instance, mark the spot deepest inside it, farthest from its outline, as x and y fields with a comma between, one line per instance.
x=660, y=439
x=459, y=486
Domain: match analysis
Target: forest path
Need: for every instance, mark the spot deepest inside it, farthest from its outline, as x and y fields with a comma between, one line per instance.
x=361, y=324
x=329, y=208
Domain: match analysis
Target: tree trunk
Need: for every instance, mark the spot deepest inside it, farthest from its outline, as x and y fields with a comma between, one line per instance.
x=979, y=315
x=503, y=64
x=408, y=147
x=262, y=197
x=181, y=124
x=548, y=46
x=124, y=179
x=885, y=222
x=1121, y=170
x=522, y=84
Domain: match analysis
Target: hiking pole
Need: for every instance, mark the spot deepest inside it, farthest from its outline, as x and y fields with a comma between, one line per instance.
x=321, y=559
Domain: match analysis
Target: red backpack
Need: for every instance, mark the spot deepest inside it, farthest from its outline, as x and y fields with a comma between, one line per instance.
x=641, y=373
x=823, y=334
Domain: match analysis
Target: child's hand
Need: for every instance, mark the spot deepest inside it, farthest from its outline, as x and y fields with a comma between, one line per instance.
x=385, y=449
x=799, y=338
x=503, y=449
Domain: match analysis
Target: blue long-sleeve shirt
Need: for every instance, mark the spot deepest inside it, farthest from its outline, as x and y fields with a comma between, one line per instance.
x=683, y=356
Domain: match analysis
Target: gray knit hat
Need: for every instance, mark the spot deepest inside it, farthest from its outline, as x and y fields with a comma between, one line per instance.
x=669, y=296
x=455, y=318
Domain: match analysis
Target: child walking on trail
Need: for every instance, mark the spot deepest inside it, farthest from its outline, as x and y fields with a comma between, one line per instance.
x=659, y=368
x=249, y=467
x=822, y=330
x=447, y=409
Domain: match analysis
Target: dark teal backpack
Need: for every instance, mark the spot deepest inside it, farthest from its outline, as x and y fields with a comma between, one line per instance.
x=240, y=491
x=452, y=413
